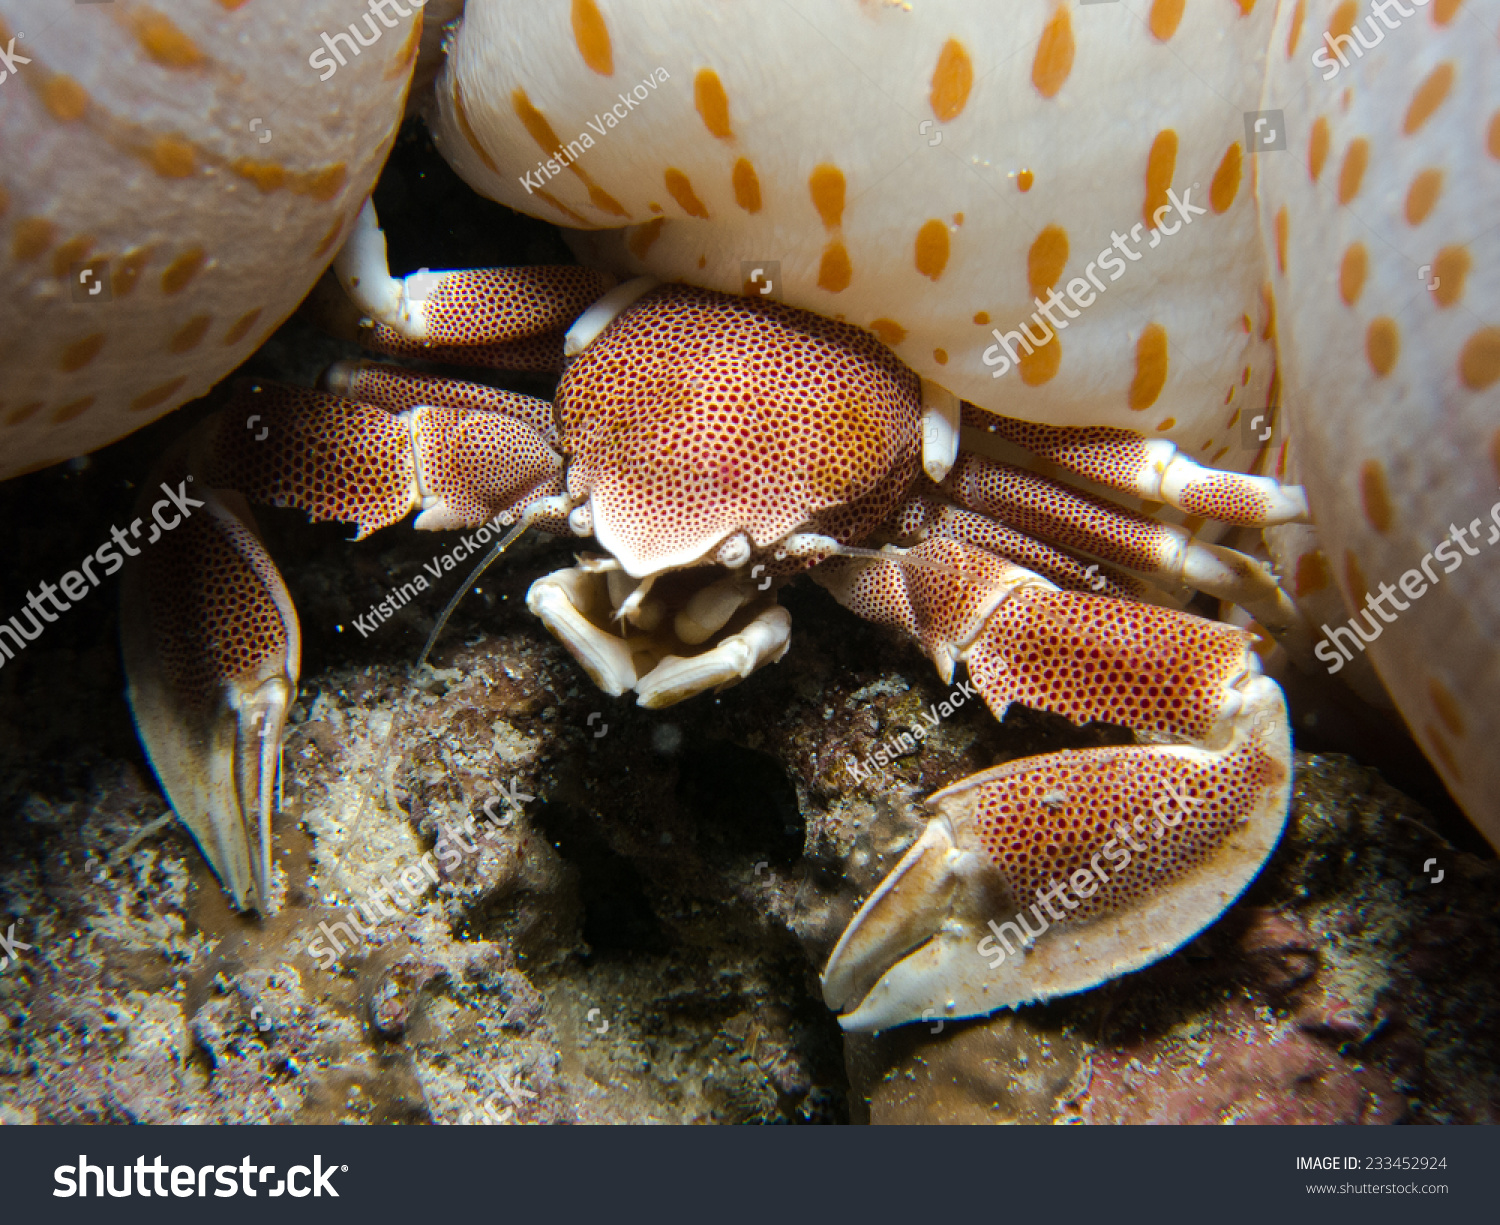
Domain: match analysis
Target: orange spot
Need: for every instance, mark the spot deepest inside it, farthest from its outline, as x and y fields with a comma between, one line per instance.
x=1382, y=345
x=241, y=327
x=682, y=191
x=1352, y=273
x=268, y=176
x=712, y=103
x=33, y=236
x=80, y=353
x=1442, y=752
x=1374, y=497
x=24, y=413
x=1281, y=227
x=540, y=130
x=1024, y=180
x=592, y=37
x=1268, y=306
x=461, y=113
x=642, y=236
x=150, y=399
x=1342, y=20
x=1447, y=708
x=1479, y=363
x=1492, y=138
x=932, y=249
x=164, y=43
x=1443, y=11
x=1429, y=96
x=189, y=334
x=326, y=243
x=1045, y=260
x=328, y=182
x=1160, y=164
x=171, y=157
x=890, y=332
x=1352, y=172
x=1167, y=423
x=951, y=81
x=1311, y=575
x=826, y=183
x=746, y=186
x=1054, y=58
x=1317, y=148
x=834, y=270
x=1041, y=364
x=1422, y=195
x=231, y=5
x=958, y=219
x=1450, y=268
x=1226, y=184
x=73, y=408
x=1150, y=367
x=182, y=270
x=1165, y=14
x=64, y=98
x=940, y=356
x=982, y=318
x=127, y=271
x=1245, y=7
x=548, y=198
x=1245, y=377
x=71, y=252
x=1295, y=31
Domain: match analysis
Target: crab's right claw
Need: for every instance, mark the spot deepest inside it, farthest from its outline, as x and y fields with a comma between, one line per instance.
x=212, y=653
x=1051, y=874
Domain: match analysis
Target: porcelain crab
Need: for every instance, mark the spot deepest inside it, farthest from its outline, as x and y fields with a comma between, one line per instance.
x=1042, y=136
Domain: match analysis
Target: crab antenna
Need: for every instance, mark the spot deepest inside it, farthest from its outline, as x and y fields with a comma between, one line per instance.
x=463, y=589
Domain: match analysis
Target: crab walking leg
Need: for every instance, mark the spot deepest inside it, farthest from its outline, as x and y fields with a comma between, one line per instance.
x=1081, y=865
x=922, y=518
x=341, y=460
x=397, y=389
x=1050, y=510
x=461, y=307
x=212, y=653
x=1150, y=468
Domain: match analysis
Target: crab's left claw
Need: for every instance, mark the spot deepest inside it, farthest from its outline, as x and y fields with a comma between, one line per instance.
x=212, y=653
x=1052, y=874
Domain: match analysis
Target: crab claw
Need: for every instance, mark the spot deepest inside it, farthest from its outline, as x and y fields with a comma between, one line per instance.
x=673, y=637
x=212, y=653
x=1052, y=874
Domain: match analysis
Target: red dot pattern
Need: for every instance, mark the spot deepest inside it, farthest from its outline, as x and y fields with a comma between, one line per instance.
x=1112, y=457
x=483, y=463
x=332, y=457
x=1054, y=815
x=696, y=415
x=1226, y=498
x=214, y=621
x=542, y=354
x=480, y=306
x=1116, y=661
x=1050, y=510
x=396, y=389
x=921, y=518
